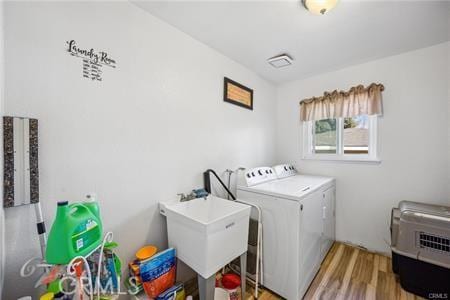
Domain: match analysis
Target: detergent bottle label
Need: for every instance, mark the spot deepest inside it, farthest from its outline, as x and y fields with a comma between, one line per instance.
x=85, y=234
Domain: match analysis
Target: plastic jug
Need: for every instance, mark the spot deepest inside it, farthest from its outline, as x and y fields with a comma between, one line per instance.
x=76, y=231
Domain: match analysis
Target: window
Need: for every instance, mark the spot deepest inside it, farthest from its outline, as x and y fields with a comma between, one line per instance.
x=356, y=135
x=325, y=137
x=353, y=139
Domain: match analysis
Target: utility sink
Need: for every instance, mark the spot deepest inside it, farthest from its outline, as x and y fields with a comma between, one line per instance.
x=207, y=233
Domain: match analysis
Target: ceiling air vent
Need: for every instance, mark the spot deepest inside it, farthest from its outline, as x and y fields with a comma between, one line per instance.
x=280, y=61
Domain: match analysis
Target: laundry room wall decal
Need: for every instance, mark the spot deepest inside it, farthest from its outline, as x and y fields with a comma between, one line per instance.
x=92, y=61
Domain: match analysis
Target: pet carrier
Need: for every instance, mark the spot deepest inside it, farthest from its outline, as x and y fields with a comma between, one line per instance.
x=420, y=243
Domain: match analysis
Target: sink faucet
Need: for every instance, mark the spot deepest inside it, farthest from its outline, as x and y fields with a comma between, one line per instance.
x=184, y=197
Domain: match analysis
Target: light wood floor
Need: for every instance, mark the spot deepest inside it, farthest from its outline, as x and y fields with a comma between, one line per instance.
x=351, y=273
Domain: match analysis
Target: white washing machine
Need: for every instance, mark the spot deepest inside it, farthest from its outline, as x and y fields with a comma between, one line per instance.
x=298, y=224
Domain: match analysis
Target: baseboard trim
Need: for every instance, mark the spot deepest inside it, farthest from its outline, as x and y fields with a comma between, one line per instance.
x=362, y=247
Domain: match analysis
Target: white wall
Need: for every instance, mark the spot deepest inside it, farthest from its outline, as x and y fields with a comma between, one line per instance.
x=145, y=133
x=413, y=135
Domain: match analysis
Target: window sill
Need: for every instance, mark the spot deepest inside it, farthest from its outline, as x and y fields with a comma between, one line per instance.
x=343, y=159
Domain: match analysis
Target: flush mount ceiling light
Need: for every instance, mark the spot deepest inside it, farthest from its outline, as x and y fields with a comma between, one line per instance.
x=319, y=7
x=280, y=61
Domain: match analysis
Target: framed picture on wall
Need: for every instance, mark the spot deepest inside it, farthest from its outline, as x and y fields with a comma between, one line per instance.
x=238, y=94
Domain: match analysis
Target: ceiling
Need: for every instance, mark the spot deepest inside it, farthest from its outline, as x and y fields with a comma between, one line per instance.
x=354, y=32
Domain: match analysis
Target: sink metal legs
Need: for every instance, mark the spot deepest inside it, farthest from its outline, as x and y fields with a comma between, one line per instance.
x=206, y=286
x=243, y=273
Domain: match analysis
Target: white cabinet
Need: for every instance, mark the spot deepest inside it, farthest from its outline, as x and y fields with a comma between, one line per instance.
x=328, y=220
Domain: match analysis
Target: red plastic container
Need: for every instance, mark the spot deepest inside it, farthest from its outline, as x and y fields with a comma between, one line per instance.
x=231, y=282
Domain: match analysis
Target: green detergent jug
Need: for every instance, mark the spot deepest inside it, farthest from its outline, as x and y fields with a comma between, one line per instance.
x=77, y=230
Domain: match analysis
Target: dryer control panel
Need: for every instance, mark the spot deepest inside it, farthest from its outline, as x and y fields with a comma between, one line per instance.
x=259, y=175
x=285, y=170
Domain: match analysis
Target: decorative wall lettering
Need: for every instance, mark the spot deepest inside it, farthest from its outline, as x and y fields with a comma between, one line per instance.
x=92, y=61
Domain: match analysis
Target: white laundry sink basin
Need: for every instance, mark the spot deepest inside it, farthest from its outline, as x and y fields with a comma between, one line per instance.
x=207, y=232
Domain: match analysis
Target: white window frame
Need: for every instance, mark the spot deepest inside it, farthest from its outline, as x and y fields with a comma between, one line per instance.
x=372, y=156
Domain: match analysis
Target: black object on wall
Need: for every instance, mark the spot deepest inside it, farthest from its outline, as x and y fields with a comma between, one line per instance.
x=207, y=182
